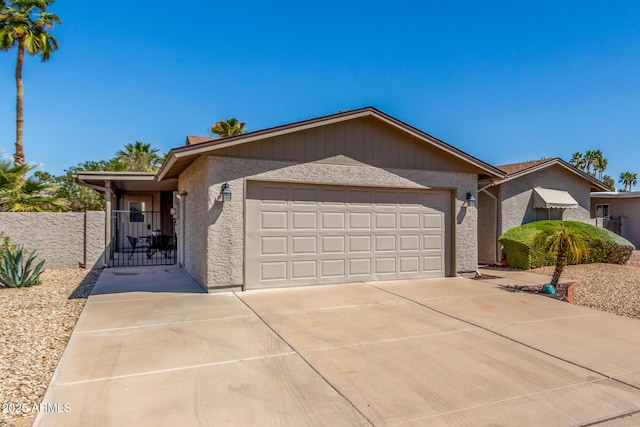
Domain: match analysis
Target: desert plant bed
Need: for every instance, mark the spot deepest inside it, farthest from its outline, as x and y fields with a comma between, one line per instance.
x=35, y=326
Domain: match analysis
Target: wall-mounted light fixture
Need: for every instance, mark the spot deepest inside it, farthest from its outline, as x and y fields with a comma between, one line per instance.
x=471, y=201
x=226, y=192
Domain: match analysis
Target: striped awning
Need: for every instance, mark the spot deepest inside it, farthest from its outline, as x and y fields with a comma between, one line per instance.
x=557, y=199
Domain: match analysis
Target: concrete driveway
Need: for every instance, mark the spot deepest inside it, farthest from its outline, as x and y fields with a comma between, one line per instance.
x=422, y=352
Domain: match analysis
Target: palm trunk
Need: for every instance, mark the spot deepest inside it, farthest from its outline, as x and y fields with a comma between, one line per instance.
x=18, y=158
x=561, y=262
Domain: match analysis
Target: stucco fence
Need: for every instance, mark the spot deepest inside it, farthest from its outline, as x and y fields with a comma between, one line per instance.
x=63, y=240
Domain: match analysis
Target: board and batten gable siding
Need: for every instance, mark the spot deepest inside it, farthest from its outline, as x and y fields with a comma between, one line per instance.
x=362, y=141
x=517, y=196
x=223, y=225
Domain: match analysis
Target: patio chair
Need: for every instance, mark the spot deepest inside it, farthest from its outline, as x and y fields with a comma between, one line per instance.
x=135, y=242
x=160, y=243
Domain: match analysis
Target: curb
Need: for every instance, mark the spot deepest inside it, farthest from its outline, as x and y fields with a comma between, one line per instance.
x=570, y=295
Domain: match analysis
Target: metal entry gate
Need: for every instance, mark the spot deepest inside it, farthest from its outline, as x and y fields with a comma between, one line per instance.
x=142, y=238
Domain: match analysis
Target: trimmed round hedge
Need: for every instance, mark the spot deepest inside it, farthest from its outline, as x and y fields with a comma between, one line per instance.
x=605, y=246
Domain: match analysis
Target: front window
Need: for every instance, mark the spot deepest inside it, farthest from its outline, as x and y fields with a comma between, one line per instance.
x=136, y=210
x=602, y=211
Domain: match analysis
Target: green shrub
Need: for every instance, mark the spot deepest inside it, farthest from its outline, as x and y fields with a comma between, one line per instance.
x=15, y=272
x=5, y=242
x=522, y=252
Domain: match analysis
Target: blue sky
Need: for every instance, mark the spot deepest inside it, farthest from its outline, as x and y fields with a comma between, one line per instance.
x=505, y=81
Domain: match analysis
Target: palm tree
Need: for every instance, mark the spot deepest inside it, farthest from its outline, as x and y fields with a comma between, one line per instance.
x=230, y=127
x=565, y=243
x=628, y=179
x=591, y=159
x=609, y=182
x=140, y=157
x=26, y=195
x=578, y=160
x=24, y=25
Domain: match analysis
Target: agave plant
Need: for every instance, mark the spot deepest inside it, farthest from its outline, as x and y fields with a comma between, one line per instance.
x=15, y=272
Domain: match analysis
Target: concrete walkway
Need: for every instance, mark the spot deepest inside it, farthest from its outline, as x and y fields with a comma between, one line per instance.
x=419, y=352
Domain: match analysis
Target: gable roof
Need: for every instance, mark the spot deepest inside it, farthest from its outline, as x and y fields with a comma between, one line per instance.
x=179, y=158
x=516, y=170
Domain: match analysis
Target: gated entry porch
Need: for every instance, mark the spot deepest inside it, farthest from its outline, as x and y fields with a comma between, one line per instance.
x=140, y=227
x=142, y=238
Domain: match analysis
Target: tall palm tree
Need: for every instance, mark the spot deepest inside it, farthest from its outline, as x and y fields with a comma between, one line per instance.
x=578, y=160
x=565, y=243
x=26, y=195
x=229, y=127
x=24, y=25
x=609, y=182
x=140, y=157
x=591, y=159
x=628, y=179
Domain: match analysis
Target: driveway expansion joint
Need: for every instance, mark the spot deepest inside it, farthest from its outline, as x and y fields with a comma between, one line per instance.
x=485, y=328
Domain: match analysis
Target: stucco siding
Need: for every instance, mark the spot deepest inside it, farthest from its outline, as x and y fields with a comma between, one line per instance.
x=225, y=221
x=193, y=219
x=487, y=226
x=517, y=196
x=628, y=208
x=62, y=239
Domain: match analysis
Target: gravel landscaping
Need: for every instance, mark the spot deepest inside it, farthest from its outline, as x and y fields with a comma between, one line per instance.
x=35, y=326
x=608, y=287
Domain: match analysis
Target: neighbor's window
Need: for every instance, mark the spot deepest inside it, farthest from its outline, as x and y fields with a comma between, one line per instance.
x=136, y=210
x=544, y=214
x=602, y=211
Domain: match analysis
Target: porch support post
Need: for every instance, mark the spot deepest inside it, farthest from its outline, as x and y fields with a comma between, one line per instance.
x=107, y=225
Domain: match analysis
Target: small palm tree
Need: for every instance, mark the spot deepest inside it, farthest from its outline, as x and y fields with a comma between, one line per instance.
x=24, y=25
x=628, y=179
x=230, y=127
x=564, y=243
x=140, y=157
x=18, y=194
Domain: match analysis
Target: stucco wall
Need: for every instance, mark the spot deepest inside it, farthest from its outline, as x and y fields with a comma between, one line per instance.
x=193, y=219
x=628, y=208
x=61, y=239
x=487, y=226
x=517, y=196
x=225, y=222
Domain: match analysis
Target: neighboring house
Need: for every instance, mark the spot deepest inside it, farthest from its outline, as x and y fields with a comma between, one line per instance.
x=618, y=212
x=350, y=197
x=531, y=191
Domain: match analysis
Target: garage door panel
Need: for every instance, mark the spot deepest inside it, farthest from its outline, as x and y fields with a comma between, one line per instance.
x=273, y=271
x=333, y=268
x=304, y=245
x=432, y=242
x=385, y=266
x=359, y=244
x=410, y=243
x=273, y=245
x=385, y=243
x=385, y=221
x=409, y=264
x=274, y=220
x=359, y=221
x=312, y=234
x=333, y=220
x=303, y=269
x=360, y=267
x=432, y=263
x=333, y=244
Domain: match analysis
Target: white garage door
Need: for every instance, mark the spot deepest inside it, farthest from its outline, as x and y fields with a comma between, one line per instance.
x=313, y=234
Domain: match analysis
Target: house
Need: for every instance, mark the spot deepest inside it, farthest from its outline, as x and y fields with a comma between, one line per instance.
x=350, y=197
x=531, y=191
x=618, y=212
